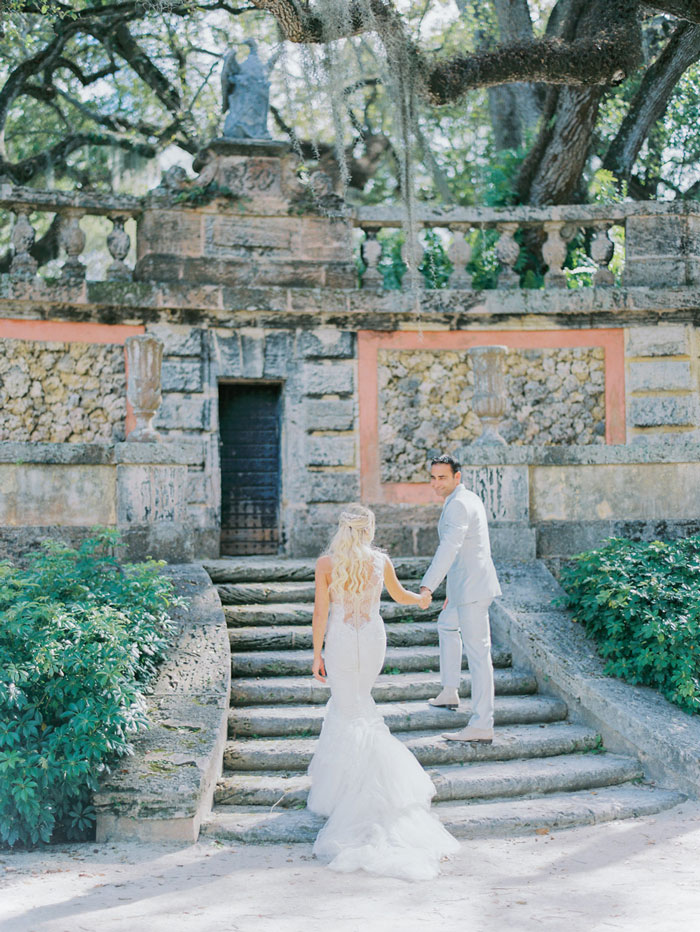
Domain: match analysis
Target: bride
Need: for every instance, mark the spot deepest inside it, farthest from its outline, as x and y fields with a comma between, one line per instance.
x=372, y=789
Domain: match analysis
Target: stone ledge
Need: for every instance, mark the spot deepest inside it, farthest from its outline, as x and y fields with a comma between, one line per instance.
x=165, y=790
x=653, y=450
x=631, y=719
x=182, y=453
x=195, y=303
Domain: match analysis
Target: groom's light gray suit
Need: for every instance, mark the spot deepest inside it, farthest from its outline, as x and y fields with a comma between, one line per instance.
x=464, y=556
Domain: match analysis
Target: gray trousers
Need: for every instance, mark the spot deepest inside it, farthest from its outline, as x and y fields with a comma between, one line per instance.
x=467, y=626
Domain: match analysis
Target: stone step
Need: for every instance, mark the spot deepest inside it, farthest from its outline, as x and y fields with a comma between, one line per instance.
x=486, y=780
x=264, y=569
x=292, y=637
x=301, y=613
x=276, y=721
x=271, y=593
x=388, y=687
x=431, y=749
x=294, y=662
x=490, y=819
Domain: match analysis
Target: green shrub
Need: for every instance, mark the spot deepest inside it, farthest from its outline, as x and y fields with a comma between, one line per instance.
x=641, y=603
x=80, y=637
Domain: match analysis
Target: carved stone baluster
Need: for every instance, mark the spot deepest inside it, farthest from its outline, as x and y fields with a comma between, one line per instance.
x=554, y=251
x=602, y=250
x=372, y=280
x=23, y=264
x=507, y=250
x=118, y=242
x=144, y=355
x=459, y=254
x=489, y=401
x=72, y=239
x=412, y=279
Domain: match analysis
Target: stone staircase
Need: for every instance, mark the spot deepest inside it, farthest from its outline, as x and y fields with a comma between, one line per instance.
x=542, y=770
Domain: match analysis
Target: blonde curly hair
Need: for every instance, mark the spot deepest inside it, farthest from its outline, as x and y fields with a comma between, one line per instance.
x=351, y=550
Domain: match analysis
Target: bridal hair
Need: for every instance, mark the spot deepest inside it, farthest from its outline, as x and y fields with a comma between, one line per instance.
x=351, y=550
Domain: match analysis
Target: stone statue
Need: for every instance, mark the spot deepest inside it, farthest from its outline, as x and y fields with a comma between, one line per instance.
x=246, y=94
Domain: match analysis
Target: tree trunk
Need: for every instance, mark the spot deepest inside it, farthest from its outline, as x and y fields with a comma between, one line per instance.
x=552, y=170
x=513, y=108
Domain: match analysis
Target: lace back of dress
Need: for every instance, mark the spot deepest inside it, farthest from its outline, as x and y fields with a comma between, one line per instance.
x=359, y=608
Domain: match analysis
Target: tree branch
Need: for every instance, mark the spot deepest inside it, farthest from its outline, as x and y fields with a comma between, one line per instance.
x=15, y=82
x=683, y=9
x=26, y=169
x=115, y=123
x=86, y=79
x=650, y=102
x=128, y=48
x=601, y=60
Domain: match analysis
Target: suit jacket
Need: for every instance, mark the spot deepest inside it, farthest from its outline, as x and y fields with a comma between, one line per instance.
x=464, y=554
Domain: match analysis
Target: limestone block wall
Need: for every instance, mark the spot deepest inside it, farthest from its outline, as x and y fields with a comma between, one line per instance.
x=555, y=396
x=663, y=382
x=61, y=392
x=62, y=490
x=317, y=371
x=559, y=401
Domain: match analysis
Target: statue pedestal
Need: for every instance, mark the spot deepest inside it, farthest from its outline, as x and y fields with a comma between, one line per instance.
x=258, y=224
x=260, y=169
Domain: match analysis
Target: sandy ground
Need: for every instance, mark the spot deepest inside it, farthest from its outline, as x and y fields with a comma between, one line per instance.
x=641, y=875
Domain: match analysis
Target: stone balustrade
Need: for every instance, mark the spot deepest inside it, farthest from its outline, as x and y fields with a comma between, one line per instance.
x=653, y=243
x=70, y=207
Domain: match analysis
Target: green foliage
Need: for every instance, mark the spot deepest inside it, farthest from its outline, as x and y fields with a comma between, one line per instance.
x=199, y=195
x=641, y=603
x=80, y=638
x=604, y=188
x=435, y=268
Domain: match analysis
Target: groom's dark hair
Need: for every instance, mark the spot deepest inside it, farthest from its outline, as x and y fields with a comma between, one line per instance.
x=448, y=461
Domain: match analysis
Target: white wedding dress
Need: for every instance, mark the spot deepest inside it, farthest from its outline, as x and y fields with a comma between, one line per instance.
x=373, y=791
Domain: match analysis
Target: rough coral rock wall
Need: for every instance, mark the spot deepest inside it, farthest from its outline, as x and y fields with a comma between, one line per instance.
x=555, y=396
x=62, y=392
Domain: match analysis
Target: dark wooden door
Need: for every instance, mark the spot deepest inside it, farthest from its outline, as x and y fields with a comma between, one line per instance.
x=249, y=423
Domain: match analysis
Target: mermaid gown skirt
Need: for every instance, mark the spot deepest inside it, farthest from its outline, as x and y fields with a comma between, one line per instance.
x=374, y=793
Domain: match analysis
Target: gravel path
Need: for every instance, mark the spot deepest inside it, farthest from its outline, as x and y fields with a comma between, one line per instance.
x=639, y=875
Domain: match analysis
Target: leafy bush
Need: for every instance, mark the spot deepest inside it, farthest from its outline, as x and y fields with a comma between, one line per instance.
x=80, y=637
x=641, y=603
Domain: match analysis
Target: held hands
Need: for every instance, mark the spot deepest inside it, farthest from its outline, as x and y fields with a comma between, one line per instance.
x=425, y=598
x=319, y=669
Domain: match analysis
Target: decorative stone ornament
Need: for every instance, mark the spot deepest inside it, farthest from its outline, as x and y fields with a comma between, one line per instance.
x=372, y=279
x=554, y=254
x=144, y=356
x=602, y=251
x=72, y=239
x=489, y=401
x=412, y=255
x=23, y=264
x=508, y=250
x=459, y=254
x=118, y=243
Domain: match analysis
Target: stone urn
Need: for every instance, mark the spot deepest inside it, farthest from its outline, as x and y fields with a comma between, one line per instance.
x=489, y=401
x=144, y=356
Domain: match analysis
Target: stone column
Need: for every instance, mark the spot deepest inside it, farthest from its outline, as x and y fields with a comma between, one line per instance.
x=23, y=235
x=144, y=355
x=489, y=402
x=72, y=238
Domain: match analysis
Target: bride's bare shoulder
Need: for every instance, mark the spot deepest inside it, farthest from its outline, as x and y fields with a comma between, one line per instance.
x=324, y=564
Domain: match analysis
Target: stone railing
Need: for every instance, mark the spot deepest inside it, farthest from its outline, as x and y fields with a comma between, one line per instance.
x=654, y=243
x=70, y=208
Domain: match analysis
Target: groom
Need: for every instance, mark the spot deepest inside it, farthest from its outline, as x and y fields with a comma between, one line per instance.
x=464, y=555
